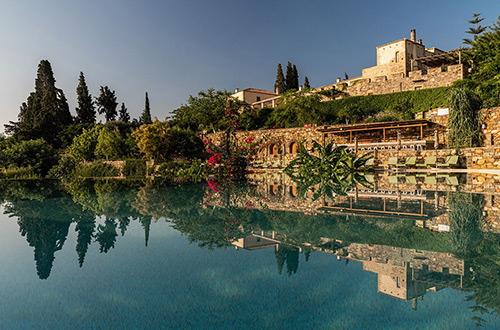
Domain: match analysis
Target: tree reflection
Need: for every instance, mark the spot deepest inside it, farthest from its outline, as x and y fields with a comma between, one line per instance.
x=46, y=237
x=44, y=213
x=106, y=235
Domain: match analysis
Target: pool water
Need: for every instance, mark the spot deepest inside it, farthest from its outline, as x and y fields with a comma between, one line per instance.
x=109, y=255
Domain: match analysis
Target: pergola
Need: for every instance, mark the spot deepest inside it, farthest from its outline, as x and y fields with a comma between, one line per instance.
x=439, y=59
x=383, y=127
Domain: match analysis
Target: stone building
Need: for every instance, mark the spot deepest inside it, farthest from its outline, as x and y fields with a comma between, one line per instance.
x=257, y=98
x=404, y=65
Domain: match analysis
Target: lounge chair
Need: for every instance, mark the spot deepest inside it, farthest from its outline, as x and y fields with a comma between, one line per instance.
x=430, y=179
x=411, y=179
x=370, y=162
x=369, y=178
x=429, y=161
x=392, y=179
x=410, y=161
x=452, y=181
x=392, y=161
x=450, y=161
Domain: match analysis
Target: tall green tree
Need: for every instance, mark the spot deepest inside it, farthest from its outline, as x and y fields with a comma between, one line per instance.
x=146, y=113
x=46, y=111
x=476, y=29
x=279, y=84
x=123, y=114
x=483, y=57
x=289, y=79
x=295, y=78
x=206, y=111
x=85, y=112
x=106, y=103
x=306, y=83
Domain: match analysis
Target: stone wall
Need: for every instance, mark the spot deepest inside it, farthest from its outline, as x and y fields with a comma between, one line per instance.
x=399, y=82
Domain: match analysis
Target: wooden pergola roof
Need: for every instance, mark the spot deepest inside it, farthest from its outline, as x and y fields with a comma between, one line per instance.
x=437, y=60
x=374, y=126
x=419, y=123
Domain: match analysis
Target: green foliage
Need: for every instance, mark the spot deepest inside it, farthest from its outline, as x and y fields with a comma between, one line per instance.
x=359, y=108
x=85, y=112
x=146, y=113
x=84, y=145
x=97, y=169
x=123, y=114
x=184, y=143
x=476, y=29
x=64, y=169
x=46, y=111
x=306, y=83
x=174, y=170
x=134, y=168
x=106, y=103
x=109, y=144
x=279, y=84
x=483, y=57
x=296, y=109
x=19, y=173
x=152, y=140
x=466, y=221
x=334, y=168
x=464, y=123
x=35, y=155
x=202, y=112
x=292, y=78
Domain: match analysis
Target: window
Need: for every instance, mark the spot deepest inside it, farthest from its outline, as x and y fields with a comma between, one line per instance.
x=397, y=57
x=417, y=88
x=258, y=98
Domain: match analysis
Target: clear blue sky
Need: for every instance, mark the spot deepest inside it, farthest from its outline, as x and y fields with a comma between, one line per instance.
x=174, y=48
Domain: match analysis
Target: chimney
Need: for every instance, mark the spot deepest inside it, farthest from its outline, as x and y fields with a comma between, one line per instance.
x=300, y=88
x=338, y=79
x=236, y=90
x=413, y=35
x=419, y=41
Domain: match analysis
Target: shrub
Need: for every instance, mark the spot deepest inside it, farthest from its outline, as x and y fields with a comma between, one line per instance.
x=134, y=168
x=464, y=125
x=20, y=173
x=37, y=155
x=64, y=169
x=97, y=169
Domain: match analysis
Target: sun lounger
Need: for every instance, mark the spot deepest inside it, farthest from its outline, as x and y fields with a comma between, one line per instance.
x=450, y=161
x=430, y=179
x=410, y=161
x=429, y=161
x=411, y=179
x=392, y=161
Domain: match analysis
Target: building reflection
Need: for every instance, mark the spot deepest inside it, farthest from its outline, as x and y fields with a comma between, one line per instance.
x=402, y=273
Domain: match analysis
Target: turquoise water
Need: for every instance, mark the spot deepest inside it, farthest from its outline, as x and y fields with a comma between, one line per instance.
x=110, y=255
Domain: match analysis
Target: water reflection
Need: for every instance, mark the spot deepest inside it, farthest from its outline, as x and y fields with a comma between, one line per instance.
x=417, y=236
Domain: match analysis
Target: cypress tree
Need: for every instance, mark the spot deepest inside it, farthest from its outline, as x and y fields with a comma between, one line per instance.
x=146, y=113
x=123, y=114
x=106, y=103
x=46, y=111
x=289, y=79
x=295, y=78
x=279, y=85
x=306, y=83
x=85, y=111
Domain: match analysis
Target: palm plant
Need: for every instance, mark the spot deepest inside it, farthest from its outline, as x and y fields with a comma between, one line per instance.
x=334, y=169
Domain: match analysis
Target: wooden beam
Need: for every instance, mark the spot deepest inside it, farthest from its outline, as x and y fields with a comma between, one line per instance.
x=374, y=128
